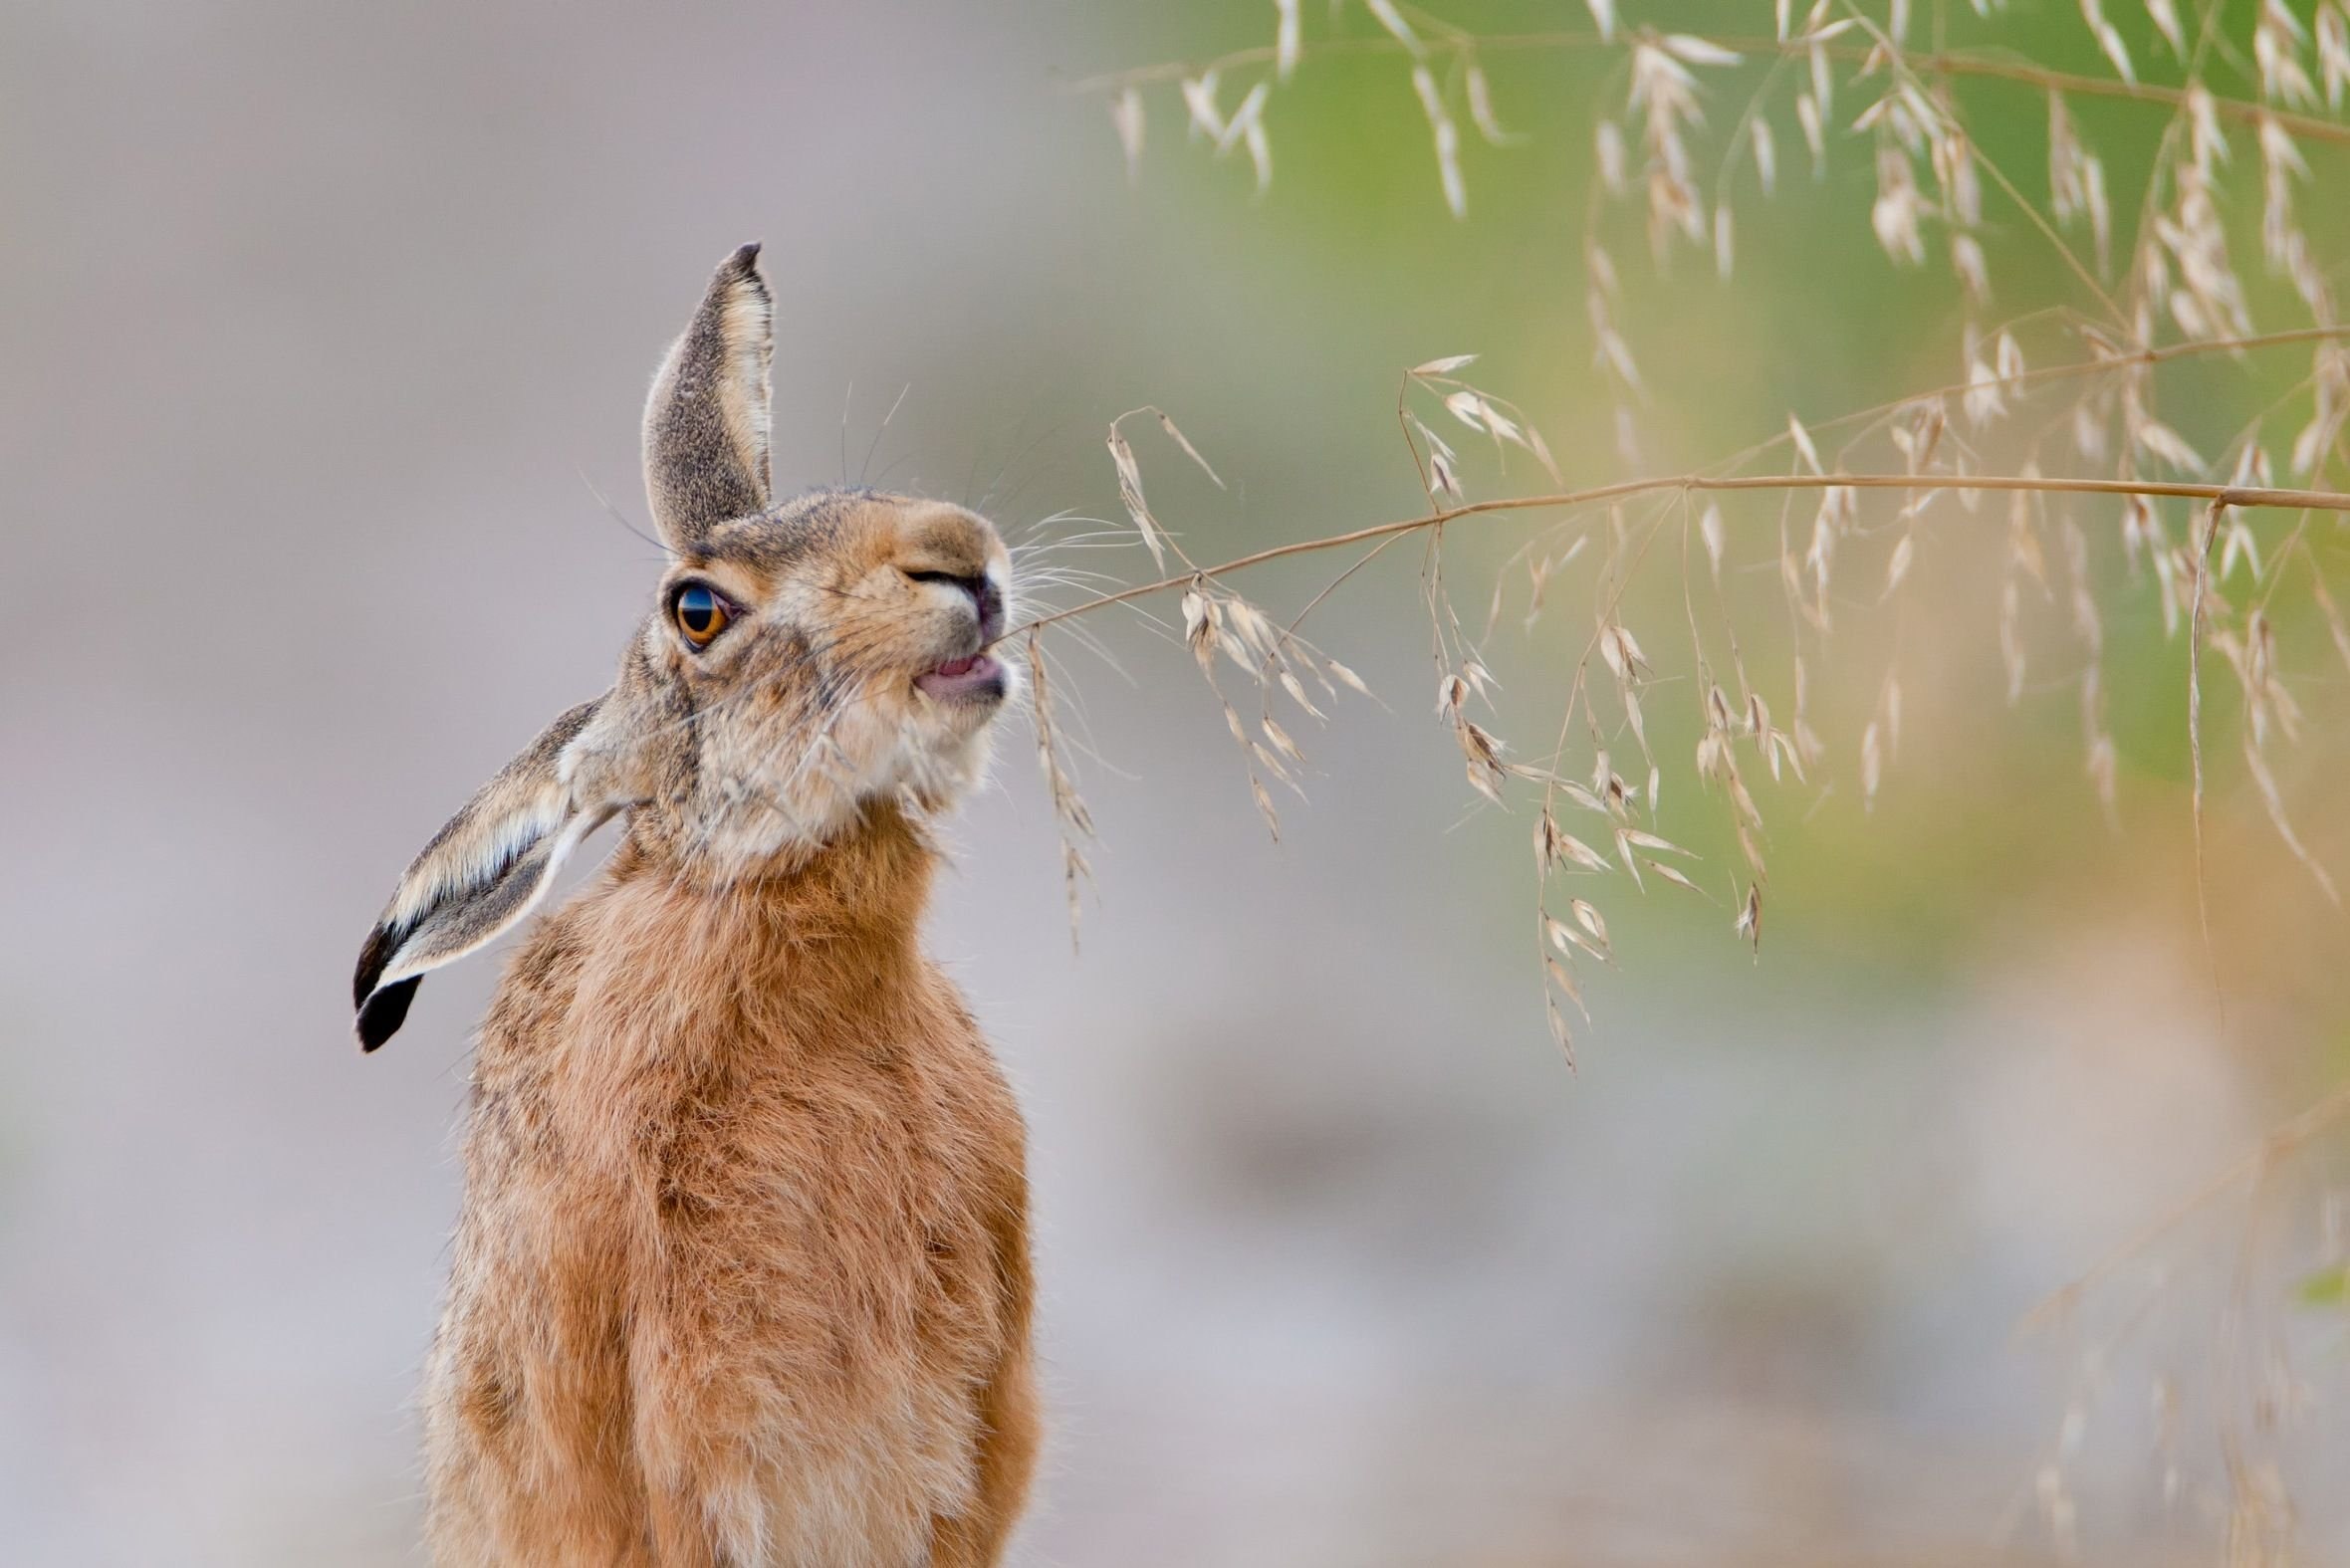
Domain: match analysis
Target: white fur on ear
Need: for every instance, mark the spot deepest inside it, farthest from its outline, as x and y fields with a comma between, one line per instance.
x=482, y=872
x=706, y=424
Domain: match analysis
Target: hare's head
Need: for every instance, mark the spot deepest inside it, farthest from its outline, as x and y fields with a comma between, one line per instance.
x=801, y=660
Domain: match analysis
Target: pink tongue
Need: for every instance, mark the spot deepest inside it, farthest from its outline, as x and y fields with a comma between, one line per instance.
x=957, y=666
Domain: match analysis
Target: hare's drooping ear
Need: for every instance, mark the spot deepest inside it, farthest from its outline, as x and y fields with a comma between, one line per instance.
x=706, y=423
x=480, y=874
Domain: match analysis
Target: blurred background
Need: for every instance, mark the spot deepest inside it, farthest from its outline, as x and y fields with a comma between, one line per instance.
x=322, y=332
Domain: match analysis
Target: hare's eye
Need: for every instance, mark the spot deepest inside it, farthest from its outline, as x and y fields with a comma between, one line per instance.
x=700, y=613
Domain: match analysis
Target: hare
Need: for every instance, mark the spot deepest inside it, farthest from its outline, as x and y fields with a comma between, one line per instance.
x=741, y=1273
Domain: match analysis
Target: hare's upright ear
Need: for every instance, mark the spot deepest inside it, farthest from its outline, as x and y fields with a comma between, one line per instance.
x=706, y=423
x=480, y=874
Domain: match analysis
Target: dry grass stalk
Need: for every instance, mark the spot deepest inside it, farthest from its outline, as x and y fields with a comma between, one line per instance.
x=1069, y=808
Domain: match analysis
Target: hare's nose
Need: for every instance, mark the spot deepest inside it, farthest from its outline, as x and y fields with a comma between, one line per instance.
x=986, y=599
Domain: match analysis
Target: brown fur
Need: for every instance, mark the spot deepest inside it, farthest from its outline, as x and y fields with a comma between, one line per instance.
x=741, y=1275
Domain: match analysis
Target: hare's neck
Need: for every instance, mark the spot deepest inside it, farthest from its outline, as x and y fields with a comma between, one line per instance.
x=839, y=920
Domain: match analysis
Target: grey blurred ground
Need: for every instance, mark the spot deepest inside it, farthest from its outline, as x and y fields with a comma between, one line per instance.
x=312, y=321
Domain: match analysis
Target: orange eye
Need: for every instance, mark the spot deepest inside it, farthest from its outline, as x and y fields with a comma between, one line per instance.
x=700, y=613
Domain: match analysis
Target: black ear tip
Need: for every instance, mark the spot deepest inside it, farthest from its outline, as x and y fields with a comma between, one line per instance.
x=382, y=1013
x=374, y=958
x=745, y=260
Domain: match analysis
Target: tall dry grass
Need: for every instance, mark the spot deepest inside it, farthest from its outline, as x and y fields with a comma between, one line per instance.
x=2048, y=448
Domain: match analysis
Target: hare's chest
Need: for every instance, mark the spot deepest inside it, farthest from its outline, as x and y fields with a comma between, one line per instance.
x=795, y=1249
x=824, y=1254
x=865, y=1188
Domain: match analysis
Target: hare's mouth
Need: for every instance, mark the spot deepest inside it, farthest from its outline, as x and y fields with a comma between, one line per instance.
x=975, y=678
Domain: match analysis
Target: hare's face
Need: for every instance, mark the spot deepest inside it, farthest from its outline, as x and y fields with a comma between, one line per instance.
x=813, y=658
